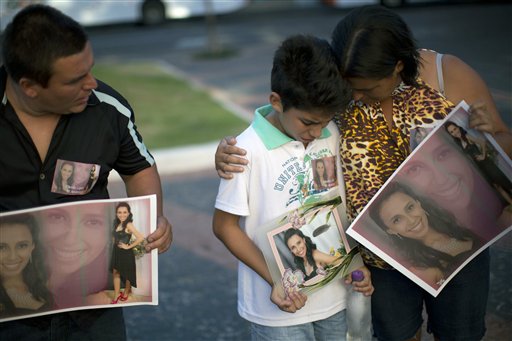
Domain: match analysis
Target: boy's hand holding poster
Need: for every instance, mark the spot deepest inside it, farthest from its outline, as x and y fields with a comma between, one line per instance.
x=445, y=204
x=68, y=257
x=307, y=248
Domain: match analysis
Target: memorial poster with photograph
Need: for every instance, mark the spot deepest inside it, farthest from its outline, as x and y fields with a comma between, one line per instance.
x=447, y=202
x=64, y=257
x=307, y=248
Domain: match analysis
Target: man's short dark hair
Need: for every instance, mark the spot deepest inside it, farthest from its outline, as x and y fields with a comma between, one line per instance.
x=306, y=76
x=37, y=36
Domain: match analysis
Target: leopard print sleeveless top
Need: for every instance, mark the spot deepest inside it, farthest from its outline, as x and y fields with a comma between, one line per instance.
x=370, y=152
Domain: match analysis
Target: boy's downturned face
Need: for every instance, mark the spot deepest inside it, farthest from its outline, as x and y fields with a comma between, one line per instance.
x=303, y=126
x=300, y=125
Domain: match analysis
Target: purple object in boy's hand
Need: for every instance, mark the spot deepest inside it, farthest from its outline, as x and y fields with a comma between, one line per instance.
x=357, y=275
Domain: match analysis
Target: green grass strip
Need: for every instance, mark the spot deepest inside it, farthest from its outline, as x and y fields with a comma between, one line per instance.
x=168, y=111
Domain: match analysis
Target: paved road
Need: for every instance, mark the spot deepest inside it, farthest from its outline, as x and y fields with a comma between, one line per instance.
x=198, y=276
x=479, y=34
x=197, y=283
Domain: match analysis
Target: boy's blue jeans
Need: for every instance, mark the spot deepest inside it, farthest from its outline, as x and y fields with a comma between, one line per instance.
x=331, y=328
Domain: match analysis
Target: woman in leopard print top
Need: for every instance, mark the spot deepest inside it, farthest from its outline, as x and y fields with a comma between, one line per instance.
x=397, y=88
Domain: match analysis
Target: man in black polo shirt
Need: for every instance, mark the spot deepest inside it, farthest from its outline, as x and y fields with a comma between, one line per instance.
x=54, y=111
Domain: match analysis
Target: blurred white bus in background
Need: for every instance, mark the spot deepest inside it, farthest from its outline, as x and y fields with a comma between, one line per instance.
x=103, y=12
x=396, y=3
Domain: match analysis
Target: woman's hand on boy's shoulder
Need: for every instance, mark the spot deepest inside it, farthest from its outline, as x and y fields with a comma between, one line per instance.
x=228, y=158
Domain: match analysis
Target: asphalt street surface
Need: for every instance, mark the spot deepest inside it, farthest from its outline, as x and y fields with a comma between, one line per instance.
x=197, y=277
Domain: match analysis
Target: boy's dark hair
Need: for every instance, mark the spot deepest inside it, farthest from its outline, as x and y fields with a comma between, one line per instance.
x=371, y=40
x=37, y=36
x=306, y=75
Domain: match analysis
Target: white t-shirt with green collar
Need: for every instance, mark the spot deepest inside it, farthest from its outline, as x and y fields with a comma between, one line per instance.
x=269, y=187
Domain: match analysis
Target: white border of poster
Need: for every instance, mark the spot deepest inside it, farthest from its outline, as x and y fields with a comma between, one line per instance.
x=68, y=263
x=444, y=205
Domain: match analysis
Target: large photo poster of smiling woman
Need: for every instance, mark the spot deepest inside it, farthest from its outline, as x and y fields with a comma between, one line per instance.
x=449, y=200
x=81, y=255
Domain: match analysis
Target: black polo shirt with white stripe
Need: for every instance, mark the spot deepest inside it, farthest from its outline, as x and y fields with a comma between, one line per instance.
x=103, y=134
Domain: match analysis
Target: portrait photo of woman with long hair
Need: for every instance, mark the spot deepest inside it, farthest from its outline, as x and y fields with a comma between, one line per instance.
x=480, y=153
x=307, y=258
x=64, y=178
x=426, y=235
x=76, y=242
x=324, y=173
x=23, y=281
x=443, y=173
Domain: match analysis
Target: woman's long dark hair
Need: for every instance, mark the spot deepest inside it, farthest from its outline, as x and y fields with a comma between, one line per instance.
x=316, y=177
x=463, y=133
x=128, y=220
x=33, y=275
x=58, y=179
x=310, y=246
x=370, y=41
x=439, y=219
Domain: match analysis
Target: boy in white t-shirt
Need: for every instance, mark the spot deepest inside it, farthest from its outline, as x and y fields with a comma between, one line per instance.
x=281, y=143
